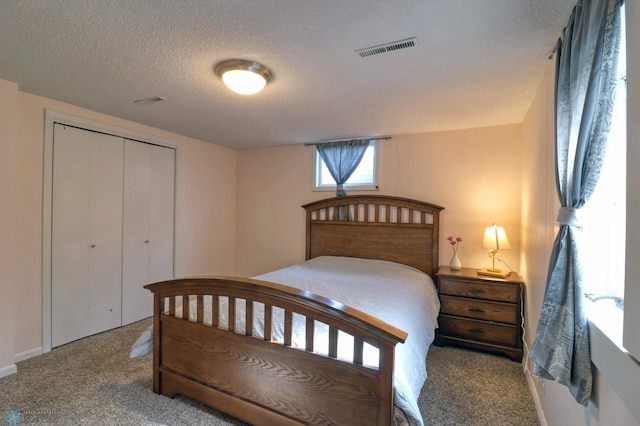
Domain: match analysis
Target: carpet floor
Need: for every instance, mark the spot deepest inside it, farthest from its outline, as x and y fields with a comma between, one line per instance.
x=93, y=382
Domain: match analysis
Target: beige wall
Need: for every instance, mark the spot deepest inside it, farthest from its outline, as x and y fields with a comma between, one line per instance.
x=539, y=210
x=205, y=208
x=539, y=201
x=8, y=213
x=474, y=174
x=272, y=185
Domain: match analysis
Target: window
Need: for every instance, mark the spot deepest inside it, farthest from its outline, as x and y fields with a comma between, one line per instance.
x=364, y=178
x=603, y=251
x=613, y=332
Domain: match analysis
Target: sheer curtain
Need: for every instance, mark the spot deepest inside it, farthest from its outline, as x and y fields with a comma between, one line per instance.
x=342, y=159
x=585, y=87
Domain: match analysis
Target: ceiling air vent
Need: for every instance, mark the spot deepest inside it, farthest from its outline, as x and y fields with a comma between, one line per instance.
x=387, y=47
x=151, y=100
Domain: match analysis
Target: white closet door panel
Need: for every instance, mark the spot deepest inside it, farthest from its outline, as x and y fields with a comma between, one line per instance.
x=137, y=302
x=148, y=225
x=105, y=281
x=70, y=236
x=161, y=227
x=86, y=263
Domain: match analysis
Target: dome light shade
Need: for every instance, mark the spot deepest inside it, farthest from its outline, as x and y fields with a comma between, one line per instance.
x=242, y=76
x=243, y=82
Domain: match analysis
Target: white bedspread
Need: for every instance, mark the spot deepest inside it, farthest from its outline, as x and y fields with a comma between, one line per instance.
x=394, y=293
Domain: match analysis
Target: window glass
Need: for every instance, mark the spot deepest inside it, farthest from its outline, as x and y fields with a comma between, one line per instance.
x=603, y=251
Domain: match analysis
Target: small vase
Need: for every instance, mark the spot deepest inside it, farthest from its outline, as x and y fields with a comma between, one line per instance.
x=455, y=262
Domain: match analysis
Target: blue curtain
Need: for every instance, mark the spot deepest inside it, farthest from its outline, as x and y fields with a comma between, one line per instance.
x=342, y=159
x=585, y=87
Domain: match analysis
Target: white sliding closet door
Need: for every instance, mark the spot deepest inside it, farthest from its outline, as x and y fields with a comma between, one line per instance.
x=148, y=225
x=86, y=255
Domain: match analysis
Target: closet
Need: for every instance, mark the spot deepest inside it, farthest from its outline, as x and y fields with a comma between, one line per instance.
x=111, y=230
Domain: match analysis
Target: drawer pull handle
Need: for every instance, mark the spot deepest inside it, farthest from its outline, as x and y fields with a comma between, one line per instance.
x=476, y=290
x=476, y=310
x=475, y=330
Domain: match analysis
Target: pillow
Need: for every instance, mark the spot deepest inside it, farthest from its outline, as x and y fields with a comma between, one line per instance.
x=144, y=344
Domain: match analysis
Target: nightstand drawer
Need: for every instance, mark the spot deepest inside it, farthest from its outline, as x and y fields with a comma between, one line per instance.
x=478, y=309
x=478, y=330
x=480, y=290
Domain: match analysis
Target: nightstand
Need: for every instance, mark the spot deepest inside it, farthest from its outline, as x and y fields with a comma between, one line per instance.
x=480, y=312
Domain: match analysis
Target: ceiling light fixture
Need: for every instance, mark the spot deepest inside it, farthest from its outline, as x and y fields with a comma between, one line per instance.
x=242, y=76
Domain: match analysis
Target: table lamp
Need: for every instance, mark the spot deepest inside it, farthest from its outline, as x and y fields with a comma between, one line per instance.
x=495, y=239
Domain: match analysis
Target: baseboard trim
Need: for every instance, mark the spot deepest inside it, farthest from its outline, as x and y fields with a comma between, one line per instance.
x=28, y=354
x=536, y=398
x=8, y=370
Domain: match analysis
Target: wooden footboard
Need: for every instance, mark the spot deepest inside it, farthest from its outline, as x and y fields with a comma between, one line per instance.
x=243, y=372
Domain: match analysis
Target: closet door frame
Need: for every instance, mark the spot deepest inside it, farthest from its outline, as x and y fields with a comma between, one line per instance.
x=52, y=117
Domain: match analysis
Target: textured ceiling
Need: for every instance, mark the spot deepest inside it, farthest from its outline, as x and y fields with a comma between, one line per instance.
x=476, y=63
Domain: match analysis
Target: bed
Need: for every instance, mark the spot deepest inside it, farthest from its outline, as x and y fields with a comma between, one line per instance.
x=290, y=347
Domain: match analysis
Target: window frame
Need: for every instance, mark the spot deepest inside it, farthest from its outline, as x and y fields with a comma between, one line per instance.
x=373, y=186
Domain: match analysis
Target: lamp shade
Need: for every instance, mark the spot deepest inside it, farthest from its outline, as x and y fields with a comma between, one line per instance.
x=242, y=76
x=495, y=238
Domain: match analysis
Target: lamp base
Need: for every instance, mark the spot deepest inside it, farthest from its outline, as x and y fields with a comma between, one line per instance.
x=499, y=273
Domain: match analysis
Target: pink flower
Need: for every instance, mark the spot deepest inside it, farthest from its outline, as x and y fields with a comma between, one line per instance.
x=455, y=243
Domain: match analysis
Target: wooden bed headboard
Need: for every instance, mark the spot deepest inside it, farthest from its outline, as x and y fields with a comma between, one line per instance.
x=375, y=227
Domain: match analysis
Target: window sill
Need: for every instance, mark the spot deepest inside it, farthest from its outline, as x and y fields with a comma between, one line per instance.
x=346, y=188
x=609, y=319
x=617, y=367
